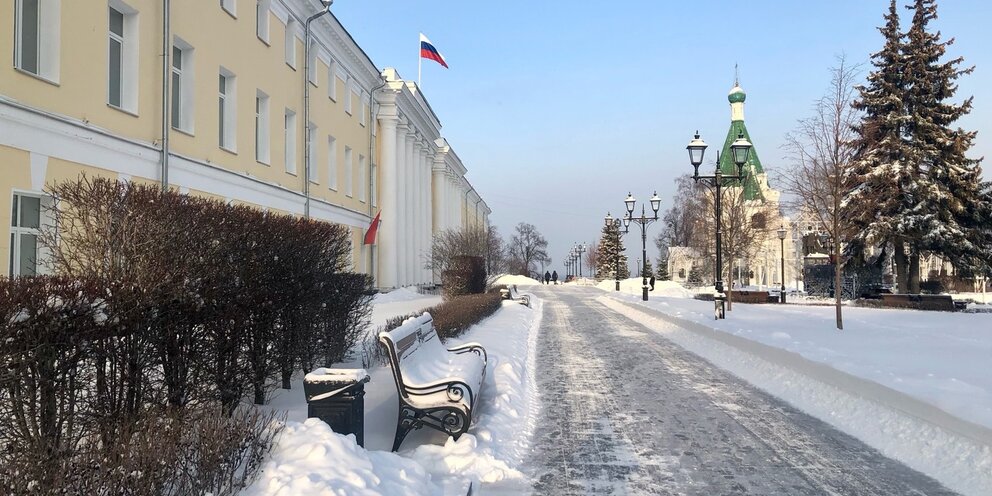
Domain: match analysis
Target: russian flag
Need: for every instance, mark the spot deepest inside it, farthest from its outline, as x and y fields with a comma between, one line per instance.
x=427, y=51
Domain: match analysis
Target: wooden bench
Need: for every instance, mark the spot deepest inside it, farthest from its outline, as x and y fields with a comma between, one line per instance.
x=920, y=302
x=511, y=293
x=438, y=387
x=750, y=296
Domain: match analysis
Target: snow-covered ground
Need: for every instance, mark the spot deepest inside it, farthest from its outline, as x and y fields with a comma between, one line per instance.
x=309, y=458
x=890, y=377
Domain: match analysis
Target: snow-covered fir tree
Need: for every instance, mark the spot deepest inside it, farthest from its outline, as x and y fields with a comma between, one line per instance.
x=945, y=213
x=878, y=176
x=662, y=273
x=609, y=248
x=647, y=270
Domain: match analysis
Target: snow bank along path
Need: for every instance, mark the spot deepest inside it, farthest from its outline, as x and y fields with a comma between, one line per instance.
x=309, y=458
x=955, y=452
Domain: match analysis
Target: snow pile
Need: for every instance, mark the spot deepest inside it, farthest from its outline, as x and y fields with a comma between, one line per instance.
x=310, y=458
x=670, y=289
x=401, y=294
x=509, y=279
x=499, y=439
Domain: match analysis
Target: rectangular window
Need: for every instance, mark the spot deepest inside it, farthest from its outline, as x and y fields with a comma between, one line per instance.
x=227, y=110
x=312, y=155
x=25, y=229
x=262, y=20
x=332, y=163
x=262, y=128
x=290, y=40
x=229, y=6
x=182, y=86
x=348, y=172
x=365, y=111
x=115, y=77
x=312, y=64
x=289, y=135
x=332, y=80
x=375, y=180
x=37, y=37
x=349, y=94
x=363, y=179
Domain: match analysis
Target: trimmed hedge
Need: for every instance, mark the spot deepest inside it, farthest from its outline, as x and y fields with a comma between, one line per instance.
x=164, y=305
x=453, y=317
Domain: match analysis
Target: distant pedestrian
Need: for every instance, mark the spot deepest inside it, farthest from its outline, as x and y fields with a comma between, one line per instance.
x=547, y=277
x=651, y=282
x=554, y=277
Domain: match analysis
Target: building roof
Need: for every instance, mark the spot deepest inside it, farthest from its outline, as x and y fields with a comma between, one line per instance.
x=752, y=190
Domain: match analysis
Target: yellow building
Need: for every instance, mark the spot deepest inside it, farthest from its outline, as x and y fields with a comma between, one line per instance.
x=204, y=97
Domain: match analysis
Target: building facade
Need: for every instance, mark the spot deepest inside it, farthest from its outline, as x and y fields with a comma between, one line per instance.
x=208, y=98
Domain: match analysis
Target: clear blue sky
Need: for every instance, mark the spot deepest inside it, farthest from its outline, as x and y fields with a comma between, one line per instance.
x=559, y=108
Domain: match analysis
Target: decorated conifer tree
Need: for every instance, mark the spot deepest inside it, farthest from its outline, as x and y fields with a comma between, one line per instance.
x=944, y=216
x=609, y=248
x=878, y=176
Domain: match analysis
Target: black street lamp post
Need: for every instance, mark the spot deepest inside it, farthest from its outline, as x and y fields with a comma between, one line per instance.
x=643, y=221
x=579, y=250
x=781, y=238
x=740, y=149
x=616, y=223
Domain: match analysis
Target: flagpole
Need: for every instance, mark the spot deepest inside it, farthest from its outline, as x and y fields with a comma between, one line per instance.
x=420, y=61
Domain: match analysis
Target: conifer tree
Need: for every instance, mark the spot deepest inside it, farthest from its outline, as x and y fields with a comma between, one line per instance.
x=647, y=270
x=662, y=273
x=878, y=177
x=944, y=215
x=610, y=246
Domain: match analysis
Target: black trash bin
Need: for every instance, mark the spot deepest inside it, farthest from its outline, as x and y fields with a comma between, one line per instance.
x=337, y=396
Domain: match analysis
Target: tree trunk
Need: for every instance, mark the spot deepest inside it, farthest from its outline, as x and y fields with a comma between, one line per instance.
x=914, y=272
x=838, y=289
x=899, y=254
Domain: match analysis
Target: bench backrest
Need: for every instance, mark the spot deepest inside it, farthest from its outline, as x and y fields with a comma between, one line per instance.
x=413, y=335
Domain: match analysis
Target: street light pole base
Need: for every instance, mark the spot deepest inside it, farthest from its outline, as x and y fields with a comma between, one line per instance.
x=618, y=285
x=644, y=293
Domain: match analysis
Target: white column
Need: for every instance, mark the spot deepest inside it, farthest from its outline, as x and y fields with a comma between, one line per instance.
x=388, y=241
x=418, y=234
x=402, y=200
x=410, y=248
x=425, y=210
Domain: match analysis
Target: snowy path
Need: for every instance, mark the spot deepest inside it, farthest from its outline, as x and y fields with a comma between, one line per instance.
x=628, y=412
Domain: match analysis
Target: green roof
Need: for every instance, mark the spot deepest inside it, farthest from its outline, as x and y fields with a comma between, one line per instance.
x=753, y=166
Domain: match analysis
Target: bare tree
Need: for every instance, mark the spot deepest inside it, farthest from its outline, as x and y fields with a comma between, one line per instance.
x=820, y=149
x=592, y=256
x=476, y=241
x=527, y=248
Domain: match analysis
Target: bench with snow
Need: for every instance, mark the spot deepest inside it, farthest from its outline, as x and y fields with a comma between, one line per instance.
x=438, y=387
x=942, y=303
x=511, y=293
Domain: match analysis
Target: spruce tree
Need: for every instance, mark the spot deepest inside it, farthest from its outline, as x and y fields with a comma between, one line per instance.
x=944, y=216
x=662, y=273
x=610, y=246
x=878, y=178
x=647, y=270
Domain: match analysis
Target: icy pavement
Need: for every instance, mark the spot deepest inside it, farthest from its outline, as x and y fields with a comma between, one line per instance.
x=628, y=412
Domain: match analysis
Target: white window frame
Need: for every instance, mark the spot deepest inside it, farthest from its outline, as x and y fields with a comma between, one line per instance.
x=362, y=179
x=14, y=262
x=332, y=163
x=290, y=43
x=332, y=80
x=312, y=64
x=230, y=6
x=47, y=43
x=349, y=172
x=227, y=111
x=262, y=20
x=289, y=138
x=186, y=73
x=349, y=93
x=313, y=173
x=263, y=129
x=365, y=110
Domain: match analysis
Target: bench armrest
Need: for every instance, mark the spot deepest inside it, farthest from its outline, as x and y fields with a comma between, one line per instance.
x=467, y=347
